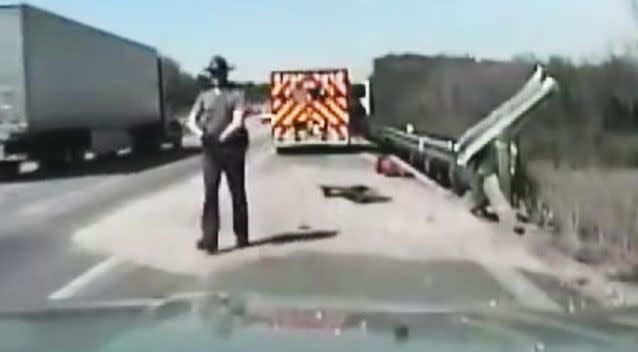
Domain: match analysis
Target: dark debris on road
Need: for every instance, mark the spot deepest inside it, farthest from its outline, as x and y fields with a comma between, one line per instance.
x=359, y=194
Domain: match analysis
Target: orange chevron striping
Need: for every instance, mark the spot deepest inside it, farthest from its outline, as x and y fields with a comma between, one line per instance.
x=330, y=110
x=323, y=111
x=281, y=114
x=339, y=86
x=336, y=110
x=293, y=114
x=276, y=104
x=343, y=102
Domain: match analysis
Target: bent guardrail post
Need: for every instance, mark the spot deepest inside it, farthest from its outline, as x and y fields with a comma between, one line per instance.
x=515, y=117
x=501, y=135
x=488, y=146
x=531, y=86
x=506, y=149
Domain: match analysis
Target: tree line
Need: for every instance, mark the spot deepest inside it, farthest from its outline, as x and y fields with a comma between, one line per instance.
x=593, y=119
x=181, y=87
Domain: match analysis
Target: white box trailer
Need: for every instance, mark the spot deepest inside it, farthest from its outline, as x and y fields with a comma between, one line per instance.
x=67, y=88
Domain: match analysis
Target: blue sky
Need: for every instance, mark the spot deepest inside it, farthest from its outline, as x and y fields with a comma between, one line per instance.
x=261, y=35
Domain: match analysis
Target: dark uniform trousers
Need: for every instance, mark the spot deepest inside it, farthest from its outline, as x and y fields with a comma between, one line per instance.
x=228, y=158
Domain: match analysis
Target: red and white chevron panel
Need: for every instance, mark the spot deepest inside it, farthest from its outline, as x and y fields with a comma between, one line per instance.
x=313, y=102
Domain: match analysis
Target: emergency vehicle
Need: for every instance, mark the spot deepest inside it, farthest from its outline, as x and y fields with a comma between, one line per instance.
x=311, y=107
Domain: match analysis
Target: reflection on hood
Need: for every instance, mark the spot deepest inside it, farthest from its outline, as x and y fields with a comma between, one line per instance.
x=211, y=322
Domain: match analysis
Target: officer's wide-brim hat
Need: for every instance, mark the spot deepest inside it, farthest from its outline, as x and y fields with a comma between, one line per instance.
x=218, y=64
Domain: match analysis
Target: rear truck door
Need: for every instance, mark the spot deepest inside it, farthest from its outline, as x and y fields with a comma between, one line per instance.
x=310, y=107
x=11, y=123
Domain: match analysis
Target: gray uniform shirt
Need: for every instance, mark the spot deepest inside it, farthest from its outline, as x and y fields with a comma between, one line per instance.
x=216, y=111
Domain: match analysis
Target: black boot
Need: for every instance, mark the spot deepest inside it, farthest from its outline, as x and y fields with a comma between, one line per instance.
x=204, y=245
x=242, y=242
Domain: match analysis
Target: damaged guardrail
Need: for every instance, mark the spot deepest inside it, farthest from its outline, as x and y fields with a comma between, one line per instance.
x=455, y=163
x=531, y=86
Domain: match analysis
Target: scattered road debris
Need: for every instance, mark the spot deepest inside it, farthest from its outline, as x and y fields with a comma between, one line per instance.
x=582, y=281
x=483, y=213
x=591, y=255
x=519, y=230
x=359, y=194
x=389, y=168
x=523, y=218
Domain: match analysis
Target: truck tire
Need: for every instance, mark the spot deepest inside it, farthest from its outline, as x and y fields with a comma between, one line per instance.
x=76, y=156
x=178, y=143
x=54, y=162
x=9, y=170
x=61, y=160
x=108, y=157
x=145, y=144
x=146, y=141
x=146, y=147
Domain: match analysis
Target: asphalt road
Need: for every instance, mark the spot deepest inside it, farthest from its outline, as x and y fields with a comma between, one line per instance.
x=39, y=212
x=125, y=229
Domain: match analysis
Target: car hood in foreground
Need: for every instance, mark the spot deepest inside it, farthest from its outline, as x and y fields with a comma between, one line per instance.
x=210, y=322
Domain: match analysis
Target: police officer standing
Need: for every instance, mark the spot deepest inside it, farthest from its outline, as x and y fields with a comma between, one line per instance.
x=225, y=141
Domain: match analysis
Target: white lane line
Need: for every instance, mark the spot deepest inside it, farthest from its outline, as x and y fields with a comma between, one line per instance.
x=100, y=270
x=522, y=289
x=84, y=280
x=149, y=303
x=510, y=279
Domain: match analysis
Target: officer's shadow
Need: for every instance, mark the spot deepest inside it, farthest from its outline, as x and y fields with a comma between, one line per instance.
x=285, y=238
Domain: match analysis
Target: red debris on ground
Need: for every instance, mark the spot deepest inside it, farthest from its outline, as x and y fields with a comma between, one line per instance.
x=389, y=168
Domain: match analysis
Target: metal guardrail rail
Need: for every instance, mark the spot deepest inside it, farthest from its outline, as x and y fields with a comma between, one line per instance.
x=420, y=145
x=453, y=157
